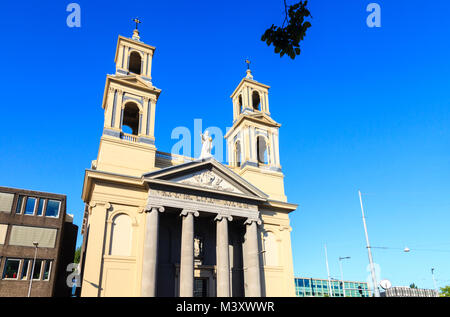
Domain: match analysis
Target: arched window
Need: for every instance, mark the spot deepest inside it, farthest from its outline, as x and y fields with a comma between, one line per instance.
x=135, y=63
x=270, y=249
x=262, y=150
x=240, y=103
x=121, y=236
x=237, y=151
x=130, y=122
x=256, y=100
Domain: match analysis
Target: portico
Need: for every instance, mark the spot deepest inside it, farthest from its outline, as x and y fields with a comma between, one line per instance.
x=196, y=194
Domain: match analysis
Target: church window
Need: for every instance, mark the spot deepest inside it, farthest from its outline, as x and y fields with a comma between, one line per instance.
x=130, y=123
x=238, y=154
x=121, y=236
x=135, y=63
x=256, y=100
x=240, y=103
x=262, y=150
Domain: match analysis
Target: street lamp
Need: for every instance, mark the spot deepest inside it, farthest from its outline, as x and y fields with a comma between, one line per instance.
x=342, y=274
x=36, y=245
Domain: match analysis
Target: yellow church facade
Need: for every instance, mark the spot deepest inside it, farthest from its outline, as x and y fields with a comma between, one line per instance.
x=160, y=224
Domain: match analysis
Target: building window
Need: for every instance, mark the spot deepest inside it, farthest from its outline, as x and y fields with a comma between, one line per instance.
x=25, y=267
x=256, y=101
x=47, y=269
x=52, y=209
x=19, y=205
x=240, y=103
x=130, y=123
x=37, y=270
x=238, y=154
x=262, y=150
x=40, y=209
x=30, y=206
x=135, y=63
x=11, y=270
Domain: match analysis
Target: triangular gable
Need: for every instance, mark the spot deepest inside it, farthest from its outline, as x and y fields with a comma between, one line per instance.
x=132, y=80
x=207, y=175
x=209, y=179
x=263, y=118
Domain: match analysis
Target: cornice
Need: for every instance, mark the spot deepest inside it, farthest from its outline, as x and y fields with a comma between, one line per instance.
x=132, y=42
x=91, y=176
x=110, y=79
x=243, y=118
x=250, y=81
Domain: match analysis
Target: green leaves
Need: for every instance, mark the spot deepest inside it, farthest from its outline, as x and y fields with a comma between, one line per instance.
x=286, y=40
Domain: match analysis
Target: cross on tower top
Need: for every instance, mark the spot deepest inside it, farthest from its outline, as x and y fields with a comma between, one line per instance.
x=137, y=21
x=249, y=72
x=248, y=63
x=136, y=36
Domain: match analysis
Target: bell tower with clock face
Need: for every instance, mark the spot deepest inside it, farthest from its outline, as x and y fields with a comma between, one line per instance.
x=253, y=148
x=127, y=145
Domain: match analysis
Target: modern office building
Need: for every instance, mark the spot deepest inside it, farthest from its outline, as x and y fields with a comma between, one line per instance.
x=312, y=287
x=34, y=225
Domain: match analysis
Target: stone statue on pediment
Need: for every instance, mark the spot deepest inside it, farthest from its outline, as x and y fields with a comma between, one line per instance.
x=206, y=145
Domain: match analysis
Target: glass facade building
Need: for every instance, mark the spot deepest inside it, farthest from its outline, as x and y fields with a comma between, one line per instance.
x=311, y=287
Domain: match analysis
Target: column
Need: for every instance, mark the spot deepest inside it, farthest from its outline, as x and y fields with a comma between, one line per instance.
x=222, y=255
x=150, y=258
x=187, y=254
x=118, y=109
x=253, y=273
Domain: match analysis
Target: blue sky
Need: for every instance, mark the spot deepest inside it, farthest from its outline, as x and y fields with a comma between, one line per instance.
x=360, y=108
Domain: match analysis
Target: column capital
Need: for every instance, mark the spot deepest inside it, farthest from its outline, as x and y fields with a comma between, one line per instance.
x=94, y=204
x=220, y=217
x=249, y=221
x=155, y=208
x=185, y=212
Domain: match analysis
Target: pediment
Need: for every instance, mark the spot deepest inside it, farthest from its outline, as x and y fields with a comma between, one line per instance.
x=207, y=179
x=206, y=175
x=134, y=80
x=264, y=118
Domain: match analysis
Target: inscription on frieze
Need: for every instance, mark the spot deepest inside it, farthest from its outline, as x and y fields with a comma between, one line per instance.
x=202, y=199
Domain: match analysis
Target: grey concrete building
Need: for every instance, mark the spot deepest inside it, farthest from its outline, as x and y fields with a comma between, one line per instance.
x=403, y=291
x=35, y=223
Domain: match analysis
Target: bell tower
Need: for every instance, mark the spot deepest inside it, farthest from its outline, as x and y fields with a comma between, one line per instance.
x=252, y=141
x=127, y=145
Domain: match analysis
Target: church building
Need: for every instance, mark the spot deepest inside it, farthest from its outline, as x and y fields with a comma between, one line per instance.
x=166, y=225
